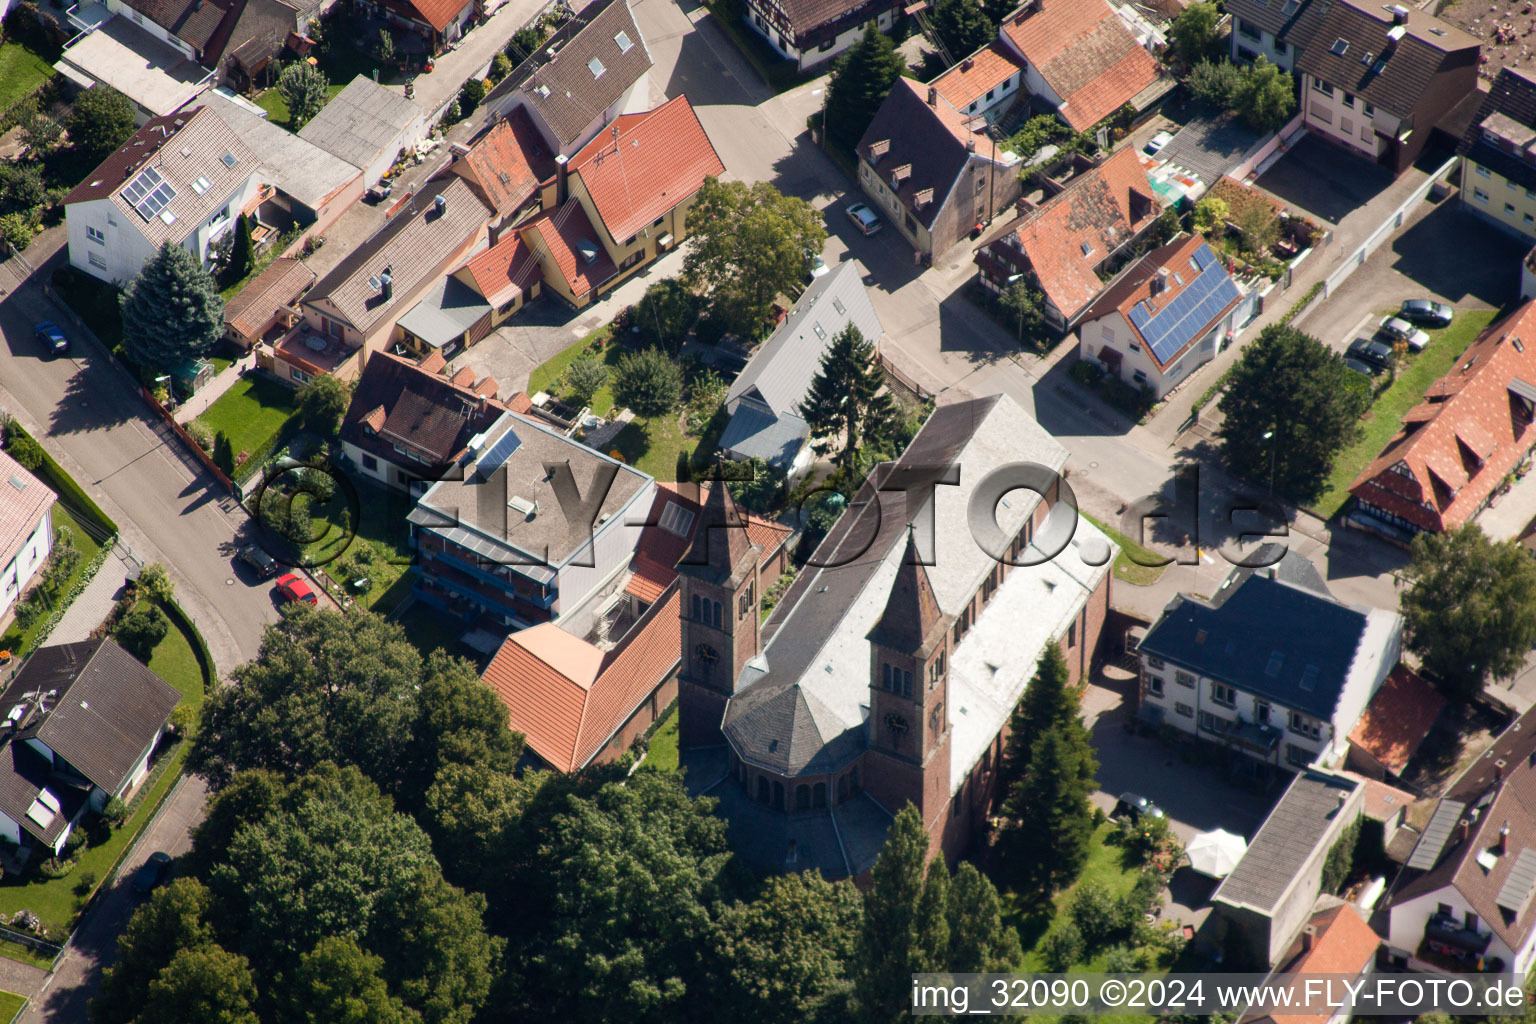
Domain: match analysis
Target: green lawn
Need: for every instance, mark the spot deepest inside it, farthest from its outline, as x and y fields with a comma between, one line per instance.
x=252, y=414
x=55, y=901
x=341, y=64
x=10, y=1005
x=662, y=752
x=18, y=640
x=429, y=629
x=650, y=445
x=22, y=73
x=1127, y=566
x=378, y=520
x=1445, y=347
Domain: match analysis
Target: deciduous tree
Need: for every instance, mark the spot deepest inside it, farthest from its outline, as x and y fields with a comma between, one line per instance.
x=961, y=26
x=174, y=919
x=649, y=382
x=141, y=630
x=323, y=401
x=208, y=985
x=1267, y=98
x=100, y=120
x=172, y=311
x=847, y=401
x=338, y=983
x=1192, y=36
x=1469, y=607
x=1291, y=387
x=302, y=86
x=664, y=315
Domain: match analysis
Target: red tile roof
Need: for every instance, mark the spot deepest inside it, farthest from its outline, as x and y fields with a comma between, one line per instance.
x=1342, y=943
x=1135, y=286
x=1085, y=54
x=560, y=234
x=1468, y=434
x=1397, y=719
x=569, y=697
x=498, y=169
x=505, y=270
x=659, y=550
x=437, y=13
x=976, y=75
x=272, y=290
x=644, y=165
x=1101, y=210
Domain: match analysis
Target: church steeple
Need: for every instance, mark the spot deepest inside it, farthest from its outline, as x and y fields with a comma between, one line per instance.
x=721, y=548
x=912, y=621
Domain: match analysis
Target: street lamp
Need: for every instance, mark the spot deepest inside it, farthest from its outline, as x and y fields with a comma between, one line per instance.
x=1269, y=436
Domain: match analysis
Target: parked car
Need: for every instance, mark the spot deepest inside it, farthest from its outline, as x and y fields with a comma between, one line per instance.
x=1155, y=145
x=1426, y=311
x=151, y=872
x=1372, y=352
x=864, y=218
x=1135, y=806
x=52, y=337
x=1365, y=369
x=255, y=556
x=294, y=588
x=1401, y=330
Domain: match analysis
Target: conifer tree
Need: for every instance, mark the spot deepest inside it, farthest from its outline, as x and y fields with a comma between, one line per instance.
x=1045, y=843
x=242, y=252
x=847, y=396
x=1045, y=703
x=172, y=311
x=860, y=80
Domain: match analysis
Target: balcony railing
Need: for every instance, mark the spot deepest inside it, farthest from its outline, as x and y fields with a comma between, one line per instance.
x=1449, y=942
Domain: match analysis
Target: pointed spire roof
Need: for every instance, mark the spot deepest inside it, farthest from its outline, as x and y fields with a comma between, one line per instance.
x=911, y=620
x=721, y=550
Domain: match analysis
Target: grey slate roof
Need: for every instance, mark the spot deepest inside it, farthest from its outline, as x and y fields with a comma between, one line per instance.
x=1267, y=637
x=754, y=432
x=109, y=707
x=360, y=121
x=294, y=164
x=1293, y=22
x=568, y=93
x=1429, y=47
x=1286, y=565
x=448, y=309
x=781, y=370
x=1508, y=111
x=1285, y=841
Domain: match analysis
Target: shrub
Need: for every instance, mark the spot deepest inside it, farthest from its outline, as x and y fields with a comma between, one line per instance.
x=705, y=396
x=156, y=582
x=141, y=630
x=1093, y=911
x=16, y=231
x=73, y=842
x=470, y=96
x=26, y=451
x=201, y=435
x=184, y=719
x=501, y=67
x=1122, y=960
x=1063, y=947
x=115, y=811
x=54, y=868
x=86, y=882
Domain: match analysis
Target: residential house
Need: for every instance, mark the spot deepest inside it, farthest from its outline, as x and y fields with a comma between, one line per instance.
x=934, y=171
x=268, y=306
x=159, y=76
x=583, y=700
x=1080, y=60
x=1165, y=317
x=408, y=423
x=1273, y=668
x=368, y=126
x=181, y=179
x=507, y=166
x=26, y=529
x=596, y=76
x=502, y=279
x=1396, y=721
x=812, y=32
x=509, y=541
x=439, y=23
x=1335, y=941
x=354, y=309
x=1277, y=30
x=623, y=201
x=984, y=84
x=1498, y=156
x=1456, y=446
x=875, y=682
x=1463, y=901
x=81, y=722
x=1069, y=245
x=303, y=185
x=1263, y=905
x=764, y=399
x=1377, y=80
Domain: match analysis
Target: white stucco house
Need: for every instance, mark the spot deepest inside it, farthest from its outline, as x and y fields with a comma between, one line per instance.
x=26, y=529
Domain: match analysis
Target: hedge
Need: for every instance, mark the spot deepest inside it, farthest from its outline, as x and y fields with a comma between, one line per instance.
x=69, y=492
x=81, y=582
x=179, y=616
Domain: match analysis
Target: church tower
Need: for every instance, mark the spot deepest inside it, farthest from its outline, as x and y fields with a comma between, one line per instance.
x=719, y=592
x=909, y=695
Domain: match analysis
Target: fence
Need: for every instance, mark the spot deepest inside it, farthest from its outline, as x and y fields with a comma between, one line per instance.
x=32, y=942
x=1266, y=148
x=896, y=377
x=192, y=446
x=1384, y=230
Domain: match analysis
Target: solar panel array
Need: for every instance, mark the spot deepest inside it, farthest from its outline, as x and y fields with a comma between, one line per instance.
x=1187, y=313
x=500, y=452
x=149, y=193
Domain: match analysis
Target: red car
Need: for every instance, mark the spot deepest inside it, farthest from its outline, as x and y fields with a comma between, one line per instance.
x=294, y=588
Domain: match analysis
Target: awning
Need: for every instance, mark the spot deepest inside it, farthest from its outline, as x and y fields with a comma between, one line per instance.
x=1110, y=357
x=664, y=241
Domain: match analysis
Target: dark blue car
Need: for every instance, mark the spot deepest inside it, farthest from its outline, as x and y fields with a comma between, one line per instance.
x=52, y=337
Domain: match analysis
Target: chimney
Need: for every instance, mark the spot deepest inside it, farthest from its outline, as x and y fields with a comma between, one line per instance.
x=386, y=283
x=1308, y=937
x=1463, y=827
x=933, y=96
x=968, y=63
x=440, y=204
x=1504, y=839
x=1394, y=36
x=1399, y=14
x=970, y=145
x=560, y=185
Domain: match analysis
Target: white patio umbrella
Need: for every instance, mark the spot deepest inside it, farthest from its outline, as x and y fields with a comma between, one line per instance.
x=1216, y=853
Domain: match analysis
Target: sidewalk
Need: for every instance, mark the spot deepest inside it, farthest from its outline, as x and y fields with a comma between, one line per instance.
x=90, y=609
x=214, y=390
x=470, y=57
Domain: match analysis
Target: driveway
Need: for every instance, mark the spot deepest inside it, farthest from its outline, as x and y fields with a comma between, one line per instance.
x=1326, y=182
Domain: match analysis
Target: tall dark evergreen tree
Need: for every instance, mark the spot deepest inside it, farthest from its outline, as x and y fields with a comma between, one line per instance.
x=1050, y=822
x=172, y=311
x=848, y=397
x=860, y=80
x=1045, y=704
x=242, y=251
x=962, y=26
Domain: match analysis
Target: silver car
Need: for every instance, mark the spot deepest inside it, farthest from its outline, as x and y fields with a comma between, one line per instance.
x=1402, y=330
x=864, y=218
